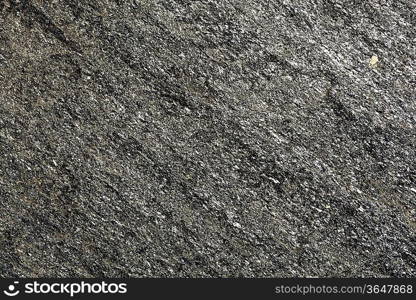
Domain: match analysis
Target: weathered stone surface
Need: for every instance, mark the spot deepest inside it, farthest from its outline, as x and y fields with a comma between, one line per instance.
x=207, y=138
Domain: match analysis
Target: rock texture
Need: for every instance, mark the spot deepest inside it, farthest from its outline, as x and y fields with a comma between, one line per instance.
x=183, y=138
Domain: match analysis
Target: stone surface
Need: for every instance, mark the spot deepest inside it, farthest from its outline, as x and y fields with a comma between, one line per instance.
x=207, y=138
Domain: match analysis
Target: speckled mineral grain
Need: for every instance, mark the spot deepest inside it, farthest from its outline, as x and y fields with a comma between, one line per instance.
x=207, y=138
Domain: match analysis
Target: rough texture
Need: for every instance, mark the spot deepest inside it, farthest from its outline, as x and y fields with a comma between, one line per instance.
x=207, y=138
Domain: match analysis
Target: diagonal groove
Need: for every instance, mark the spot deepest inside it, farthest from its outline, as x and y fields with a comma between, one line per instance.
x=35, y=14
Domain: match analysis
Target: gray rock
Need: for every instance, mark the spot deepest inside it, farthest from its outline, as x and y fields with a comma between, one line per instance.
x=207, y=138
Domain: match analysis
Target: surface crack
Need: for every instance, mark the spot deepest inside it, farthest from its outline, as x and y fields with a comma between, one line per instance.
x=32, y=13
